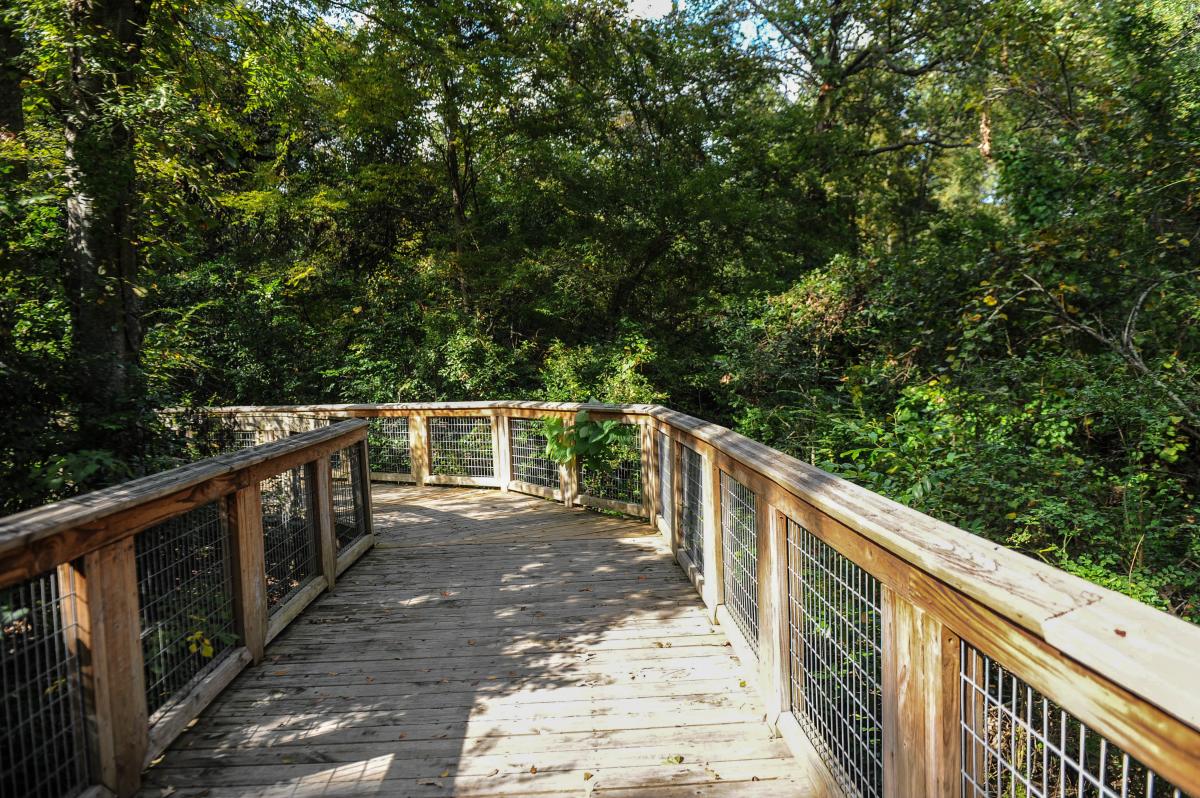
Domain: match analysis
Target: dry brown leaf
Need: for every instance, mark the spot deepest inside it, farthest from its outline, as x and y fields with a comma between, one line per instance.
x=533, y=769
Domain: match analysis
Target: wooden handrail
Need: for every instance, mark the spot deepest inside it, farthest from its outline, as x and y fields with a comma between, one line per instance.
x=36, y=540
x=1121, y=667
x=90, y=544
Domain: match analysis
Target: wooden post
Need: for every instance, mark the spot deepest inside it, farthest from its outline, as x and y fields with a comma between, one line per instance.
x=418, y=442
x=568, y=480
x=714, y=565
x=244, y=510
x=921, y=741
x=109, y=650
x=649, y=473
x=772, y=609
x=320, y=501
x=676, y=450
x=501, y=451
x=364, y=484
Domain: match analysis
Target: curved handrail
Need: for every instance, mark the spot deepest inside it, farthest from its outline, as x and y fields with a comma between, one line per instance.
x=1120, y=665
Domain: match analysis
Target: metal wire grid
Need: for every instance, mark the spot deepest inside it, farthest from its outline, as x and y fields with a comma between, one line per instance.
x=834, y=659
x=42, y=747
x=185, y=595
x=349, y=509
x=666, y=495
x=390, y=450
x=1017, y=742
x=529, y=461
x=461, y=446
x=740, y=555
x=290, y=544
x=244, y=439
x=691, y=504
x=618, y=474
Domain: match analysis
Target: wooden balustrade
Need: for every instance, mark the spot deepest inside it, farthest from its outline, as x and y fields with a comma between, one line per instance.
x=98, y=548
x=936, y=614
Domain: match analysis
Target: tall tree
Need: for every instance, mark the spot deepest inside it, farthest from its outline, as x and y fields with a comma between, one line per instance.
x=106, y=38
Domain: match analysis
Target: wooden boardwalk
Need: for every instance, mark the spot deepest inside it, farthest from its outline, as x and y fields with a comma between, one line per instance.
x=491, y=644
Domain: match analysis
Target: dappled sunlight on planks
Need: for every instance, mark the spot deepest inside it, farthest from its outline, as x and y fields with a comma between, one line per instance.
x=491, y=644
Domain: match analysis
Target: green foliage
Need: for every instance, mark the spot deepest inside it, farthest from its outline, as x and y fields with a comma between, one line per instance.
x=954, y=258
x=583, y=440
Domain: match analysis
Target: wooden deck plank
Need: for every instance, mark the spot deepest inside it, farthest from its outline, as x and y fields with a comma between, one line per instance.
x=492, y=644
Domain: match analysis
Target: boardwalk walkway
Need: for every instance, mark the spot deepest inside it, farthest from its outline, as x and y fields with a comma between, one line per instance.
x=491, y=644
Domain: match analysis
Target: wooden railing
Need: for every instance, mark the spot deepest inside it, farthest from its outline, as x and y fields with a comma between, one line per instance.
x=897, y=655
x=124, y=612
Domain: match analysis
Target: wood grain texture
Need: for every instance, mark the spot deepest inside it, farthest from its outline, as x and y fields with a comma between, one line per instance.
x=248, y=568
x=492, y=644
x=109, y=647
x=320, y=476
x=38, y=540
x=921, y=754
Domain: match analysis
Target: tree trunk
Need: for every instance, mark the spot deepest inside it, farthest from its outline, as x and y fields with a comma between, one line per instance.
x=102, y=262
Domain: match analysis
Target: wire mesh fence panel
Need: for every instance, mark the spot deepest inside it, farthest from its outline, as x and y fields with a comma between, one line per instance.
x=691, y=504
x=349, y=509
x=740, y=555
x=529, y=461
x=390, y=450
x=243, y=439
x=834, y=656
x=42, y=748
x=617, y=474
x=666, y=493
x=289, y=544
x=185, y=595
x=1016, y=741
x=461, y=446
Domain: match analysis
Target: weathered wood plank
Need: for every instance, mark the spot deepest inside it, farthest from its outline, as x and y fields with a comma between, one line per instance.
x=579, y=648
x=109, y=647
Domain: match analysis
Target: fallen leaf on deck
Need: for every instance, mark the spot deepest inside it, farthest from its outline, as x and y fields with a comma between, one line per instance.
x=674, y=760
x=586, y=775
x=444, y=774
x=533, y=769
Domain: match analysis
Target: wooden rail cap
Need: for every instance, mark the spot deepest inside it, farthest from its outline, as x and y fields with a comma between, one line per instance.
x=34, y=541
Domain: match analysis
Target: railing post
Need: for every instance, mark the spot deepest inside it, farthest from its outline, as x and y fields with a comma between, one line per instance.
x=772, y=604
x=109, y=648
x=649, y=473
x=568, y=480
x=502, y=451
x=244, y=509
x=320, y=476
x=418, y=442
x=921, y=740
x=676, y=452
x=364, y=485
x=714, y=565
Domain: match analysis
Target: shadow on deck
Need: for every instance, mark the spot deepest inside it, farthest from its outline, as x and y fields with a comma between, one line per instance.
x=491, y=644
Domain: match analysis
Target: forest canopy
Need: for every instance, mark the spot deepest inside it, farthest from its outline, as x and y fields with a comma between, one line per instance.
x=949, y=250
